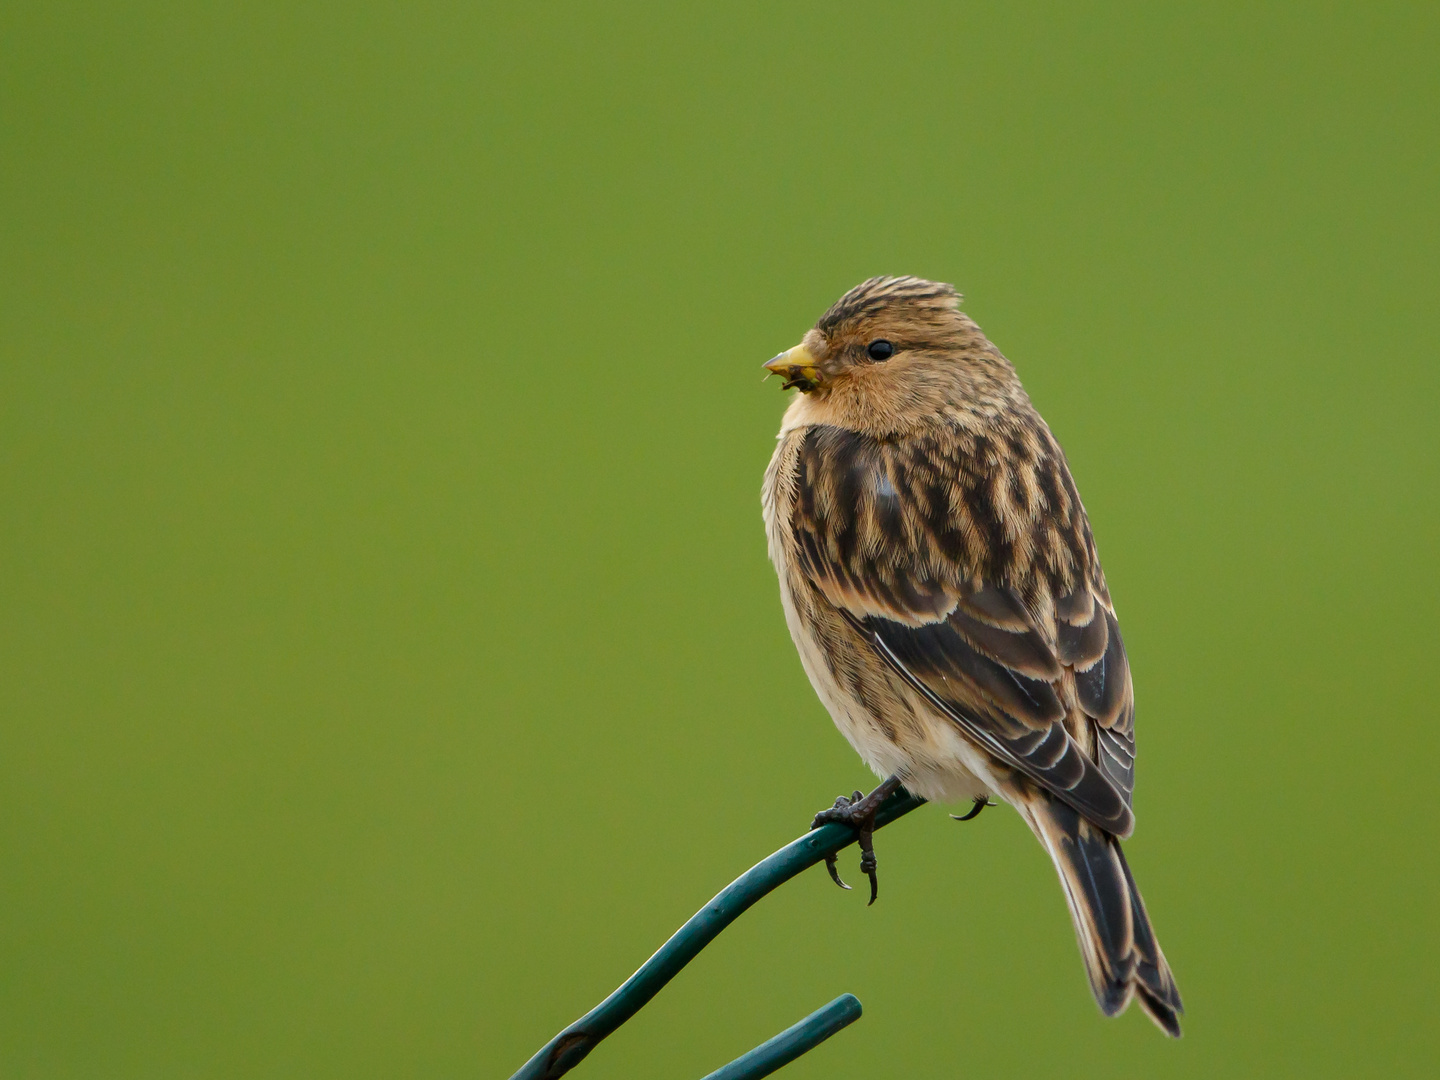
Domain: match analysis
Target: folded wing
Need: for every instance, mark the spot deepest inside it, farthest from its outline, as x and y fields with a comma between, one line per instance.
x=890, y=554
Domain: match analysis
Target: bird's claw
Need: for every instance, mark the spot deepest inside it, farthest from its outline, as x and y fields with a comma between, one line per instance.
x=867, y=867
x=974, y=811
x=825, y=817
x=858, y=811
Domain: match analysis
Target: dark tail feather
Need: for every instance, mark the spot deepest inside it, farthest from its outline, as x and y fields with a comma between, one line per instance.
x=1159, y=996
x=1117, y=941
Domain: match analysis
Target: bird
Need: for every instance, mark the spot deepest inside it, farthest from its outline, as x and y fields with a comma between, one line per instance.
x=941, y=584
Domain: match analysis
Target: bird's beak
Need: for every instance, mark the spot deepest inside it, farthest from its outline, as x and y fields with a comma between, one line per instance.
x=797, y=367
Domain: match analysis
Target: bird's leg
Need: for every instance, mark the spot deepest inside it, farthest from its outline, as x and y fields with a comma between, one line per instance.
x=981, y=801
x=858, y=812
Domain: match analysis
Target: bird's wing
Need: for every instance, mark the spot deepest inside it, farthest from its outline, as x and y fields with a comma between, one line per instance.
x=908, y=555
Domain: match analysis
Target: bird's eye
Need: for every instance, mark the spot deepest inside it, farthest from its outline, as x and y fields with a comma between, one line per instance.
x=880, y=350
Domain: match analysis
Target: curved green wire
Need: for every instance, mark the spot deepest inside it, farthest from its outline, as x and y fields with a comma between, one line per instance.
x=795, y=1040
x=565, y=1051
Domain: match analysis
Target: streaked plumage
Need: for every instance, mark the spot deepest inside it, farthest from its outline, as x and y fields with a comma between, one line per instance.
x=941, y=584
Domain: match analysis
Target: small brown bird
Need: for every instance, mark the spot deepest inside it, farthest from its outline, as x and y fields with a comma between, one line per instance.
x=941, y=584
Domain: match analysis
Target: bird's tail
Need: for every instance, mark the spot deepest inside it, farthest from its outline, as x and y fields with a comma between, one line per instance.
x=1117, y=941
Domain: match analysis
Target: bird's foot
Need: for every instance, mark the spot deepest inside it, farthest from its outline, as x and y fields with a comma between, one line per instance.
x=858, y=811
x=980, y=803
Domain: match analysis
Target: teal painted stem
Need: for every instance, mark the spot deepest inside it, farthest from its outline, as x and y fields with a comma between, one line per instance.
x=792, y=1042
x=565, y=1051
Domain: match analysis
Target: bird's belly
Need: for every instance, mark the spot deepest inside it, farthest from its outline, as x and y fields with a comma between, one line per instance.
x=940, y=766
x=897, y=733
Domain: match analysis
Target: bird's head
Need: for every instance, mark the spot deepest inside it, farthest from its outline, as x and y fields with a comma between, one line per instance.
x=896, y=346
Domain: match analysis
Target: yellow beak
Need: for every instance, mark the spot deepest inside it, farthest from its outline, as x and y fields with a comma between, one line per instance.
x=798, y=368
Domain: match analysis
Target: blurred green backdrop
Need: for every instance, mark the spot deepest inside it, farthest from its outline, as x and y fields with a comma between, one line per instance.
x=390, y=659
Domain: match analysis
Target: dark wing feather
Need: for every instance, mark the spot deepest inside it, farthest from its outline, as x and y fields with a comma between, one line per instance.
x=878, y=532
x=1116, y=752
x=1104, y=686
x=1019, y=647
x=1087, y=638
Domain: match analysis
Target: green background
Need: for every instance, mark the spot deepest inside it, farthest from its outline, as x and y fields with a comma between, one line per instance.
x=390, y=657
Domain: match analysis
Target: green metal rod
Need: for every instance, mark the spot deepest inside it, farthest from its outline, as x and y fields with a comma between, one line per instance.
x=565, y=1051
x=792, y=1042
